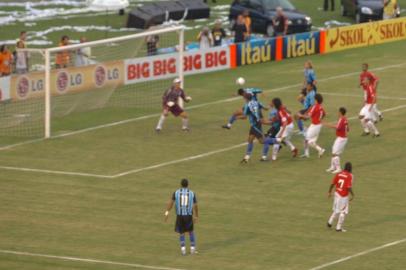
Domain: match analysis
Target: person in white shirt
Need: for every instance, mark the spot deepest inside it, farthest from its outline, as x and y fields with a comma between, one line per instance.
x=205, y=38
x=83, y=54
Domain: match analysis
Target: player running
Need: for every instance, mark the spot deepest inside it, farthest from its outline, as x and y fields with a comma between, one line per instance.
x=252, y=111
x=270, y=136
x=286, y=129
x=366, y=114
x=316, y=113
x=374, y=81
x=341, y=140
x=308, y=100
x=187, y=214
x=343, y=188
x=240, y=112
x=170, y=103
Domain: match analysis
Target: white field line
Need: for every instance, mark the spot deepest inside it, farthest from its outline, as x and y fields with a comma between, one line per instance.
x=359, y=254
x=189, y=108
x=75, y=259
x=156, y=166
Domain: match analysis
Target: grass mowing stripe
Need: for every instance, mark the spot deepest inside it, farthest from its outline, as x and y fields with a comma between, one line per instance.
x=189, y=108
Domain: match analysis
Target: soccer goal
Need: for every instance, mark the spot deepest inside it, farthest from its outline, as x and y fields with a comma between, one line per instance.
x=91, y=83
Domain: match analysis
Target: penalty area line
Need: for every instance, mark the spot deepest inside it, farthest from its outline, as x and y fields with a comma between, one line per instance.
x=365, y=252
x=85, y=260
x=130, y=120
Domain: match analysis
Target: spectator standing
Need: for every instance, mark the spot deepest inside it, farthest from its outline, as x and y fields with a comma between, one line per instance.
x=6, y=61
x=240, y=30
x=389, y=9
x=21, y=58
x=152, y=42
x=63, y=57
x=332, y=2
x=218, y=33
x=247, y=20
x=205, y=38
x=280, y=23
x=83, y=54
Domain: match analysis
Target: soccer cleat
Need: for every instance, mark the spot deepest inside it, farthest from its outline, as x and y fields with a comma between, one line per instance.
x=245, y=159
x=157, y=130
x=365, y=134
x=331, y=169
x=341, y=230
x=376, y=135
x=264, y=159
x=380, y=117
x=185, y=129
x=305, y=156
x=336, y=171
x=295, y=152
x=226, y=126
x=183, y=251
x=329, y=225
x=321, y=152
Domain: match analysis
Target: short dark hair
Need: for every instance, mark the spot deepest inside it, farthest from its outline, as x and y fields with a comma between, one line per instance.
x=348, y=167
x=184, y=183
x=277, y=102
x=23, y=32
x=2, y=48
x=342, y=110
x=64, y=37
x=319, y=98
x=240, y=91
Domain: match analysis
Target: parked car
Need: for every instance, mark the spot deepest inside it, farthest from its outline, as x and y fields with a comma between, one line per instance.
x=263, y=11
x=363, y=10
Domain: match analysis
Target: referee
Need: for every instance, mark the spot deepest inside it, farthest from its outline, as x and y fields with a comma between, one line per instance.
x=187, y=213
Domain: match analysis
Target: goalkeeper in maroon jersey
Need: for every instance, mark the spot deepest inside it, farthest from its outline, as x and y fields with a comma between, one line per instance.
x=171, y=103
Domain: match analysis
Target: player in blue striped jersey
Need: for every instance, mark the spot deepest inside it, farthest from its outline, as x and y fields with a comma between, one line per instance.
x=309, y=75
x=308, y=100
x=187, y=214
x=237, y=114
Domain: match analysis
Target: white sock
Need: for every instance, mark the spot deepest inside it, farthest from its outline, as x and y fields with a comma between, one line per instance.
x=364, y=126
x=229, y=124
x=185, y=123
x=275, y=151
x=332, y=218
x=336, y=162
x=161, y=121
x=290, y=144
x=340, y=221
x=306, y=148
x=372, y=127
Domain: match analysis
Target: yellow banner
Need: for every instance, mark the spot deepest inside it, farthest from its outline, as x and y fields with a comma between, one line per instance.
x=365, y=34
x=69, y=80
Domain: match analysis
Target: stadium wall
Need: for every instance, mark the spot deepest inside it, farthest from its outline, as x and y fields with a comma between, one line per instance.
x=131, y=71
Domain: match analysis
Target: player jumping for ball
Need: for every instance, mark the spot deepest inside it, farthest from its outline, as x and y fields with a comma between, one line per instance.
x=343, y=188
x=240, y=112
x=170, y=103
x=366, y=114
x=341, y=140
x=187, y=214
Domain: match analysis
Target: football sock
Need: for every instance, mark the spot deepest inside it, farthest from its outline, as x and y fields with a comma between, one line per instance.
x=182, y=240
x=364, y=126
x=306, y=148
x=192, y=239
x=161, y=121
x=268, y=141
x=340, y=221
x=185, y=123
x=335, y=162
x=290, y=144
x=232, y=120
x=300, y=125
x=250, y=147
x=372, y=127
x=275, y=151
x=332, y=218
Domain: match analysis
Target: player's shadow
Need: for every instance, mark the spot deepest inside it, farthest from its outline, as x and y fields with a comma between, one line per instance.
x=226, y=242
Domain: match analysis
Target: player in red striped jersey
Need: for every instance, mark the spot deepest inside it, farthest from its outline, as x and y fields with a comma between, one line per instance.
x=316, y=113
x=343, y=188
x=366, y=113
x=374, y=81
x=341, y=140
x=286, y=129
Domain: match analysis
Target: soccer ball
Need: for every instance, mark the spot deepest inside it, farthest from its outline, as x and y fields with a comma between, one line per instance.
x=240, y=81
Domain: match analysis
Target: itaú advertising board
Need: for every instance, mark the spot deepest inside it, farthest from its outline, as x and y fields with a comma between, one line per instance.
x=166, y=65
x=365, y=34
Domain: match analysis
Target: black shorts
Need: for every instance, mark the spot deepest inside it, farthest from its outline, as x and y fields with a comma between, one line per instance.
x=303, y=111
x=256, y=130
x=184, y=224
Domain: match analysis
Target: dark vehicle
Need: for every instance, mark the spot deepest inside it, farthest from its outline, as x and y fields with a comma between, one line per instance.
x=263, y=11
x=363, y=10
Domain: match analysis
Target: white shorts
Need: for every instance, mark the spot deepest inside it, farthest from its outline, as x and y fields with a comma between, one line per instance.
x=339, y=145
x=287, y=133
x=312, y=133
x=366, y=113
x=341, y=204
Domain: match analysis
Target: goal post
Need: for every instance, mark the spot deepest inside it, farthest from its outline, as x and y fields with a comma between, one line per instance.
x=91, y=83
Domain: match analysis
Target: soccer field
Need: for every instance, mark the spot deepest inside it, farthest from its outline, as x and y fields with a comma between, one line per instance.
x=94, y=199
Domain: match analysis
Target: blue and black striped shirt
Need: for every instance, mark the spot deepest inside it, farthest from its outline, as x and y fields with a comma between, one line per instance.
x=184, y=200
